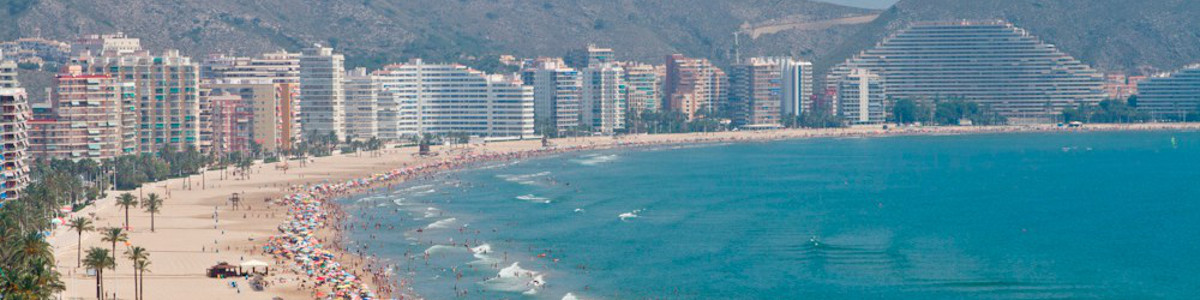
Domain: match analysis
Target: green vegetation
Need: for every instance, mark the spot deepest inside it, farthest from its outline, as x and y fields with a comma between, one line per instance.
x=141, y=260
x=1107, y=111
x=949, y=112
x=152, y=204
x=98, y=259
x=114, y=235
x=80, y=225
x=817, y=119
x=125, y=201
x=26, y=259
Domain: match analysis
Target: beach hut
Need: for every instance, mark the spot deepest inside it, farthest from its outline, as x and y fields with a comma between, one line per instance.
x=222, y=270
x=254, y=264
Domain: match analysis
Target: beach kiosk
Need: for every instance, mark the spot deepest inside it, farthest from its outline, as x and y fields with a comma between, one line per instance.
x=254, y=265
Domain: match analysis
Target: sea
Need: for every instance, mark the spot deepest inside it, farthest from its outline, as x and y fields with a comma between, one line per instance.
x=1070, y=215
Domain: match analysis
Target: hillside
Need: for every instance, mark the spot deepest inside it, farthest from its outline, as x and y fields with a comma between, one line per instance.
x=1110, y=35
x=373, y=32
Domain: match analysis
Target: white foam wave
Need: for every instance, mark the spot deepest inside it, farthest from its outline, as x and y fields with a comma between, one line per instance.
x=368, y=199
x=596, y=159
x=516, y=279
x=533, y=198
x=398, y=201
x=482, y=254
x=570, y=296
x=423, y=193
x=630, y=215
x=526, y=179
x=443, y=223
x=419, y=187
x=435, y=249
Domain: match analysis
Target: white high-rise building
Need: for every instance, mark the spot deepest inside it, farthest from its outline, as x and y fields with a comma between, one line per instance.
x=797, y=85
x=362, y=99
x=322, y=94
x=861, y=97
x=603, y=101
x=556, y=93
x=453, y=99
x=1171, y=96
x=992, y=63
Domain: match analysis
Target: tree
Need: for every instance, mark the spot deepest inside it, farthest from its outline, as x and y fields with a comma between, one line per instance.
x=137, y=255
x=79, y=225
x=907, y=111
x=26, y=258
x=125, y=201
x=818, y=119
x=243, y=166
x=1107, y=111
x=152, y=204
x=114, y=235
x=142, y=267
x=955, y=110
x=98, y=260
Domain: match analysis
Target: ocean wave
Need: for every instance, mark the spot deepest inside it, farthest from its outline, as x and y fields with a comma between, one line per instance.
x=418, y=187
x=630, y=215
x=398, y=201
x=369, y=199
x=431, y=212
x=595, y=159
x=435, y=249
x=443, y=223
x=516, y=279
x=533, y=198
x=482, y=254
x=526, y=179
x=570, y=296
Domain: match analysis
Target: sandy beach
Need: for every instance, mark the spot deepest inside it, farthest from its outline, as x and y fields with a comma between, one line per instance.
x=198, y=227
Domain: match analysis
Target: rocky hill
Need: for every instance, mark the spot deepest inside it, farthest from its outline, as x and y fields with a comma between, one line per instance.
x=1137, y=37
x=373, y=32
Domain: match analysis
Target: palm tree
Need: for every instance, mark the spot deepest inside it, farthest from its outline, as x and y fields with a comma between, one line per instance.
x=152, y=204
x=99, y=259
x=125, y=201
x=137, y=255
x=115, y=235
x=243, y=166
x=79, y=225
x=142, y=266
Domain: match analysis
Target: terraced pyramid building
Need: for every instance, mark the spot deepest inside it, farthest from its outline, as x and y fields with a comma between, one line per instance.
x=993, y=63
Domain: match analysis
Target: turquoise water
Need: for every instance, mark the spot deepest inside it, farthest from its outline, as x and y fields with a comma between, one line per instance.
x=1013, y=216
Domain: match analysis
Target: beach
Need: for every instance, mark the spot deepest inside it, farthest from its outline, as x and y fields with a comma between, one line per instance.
x=198, y=226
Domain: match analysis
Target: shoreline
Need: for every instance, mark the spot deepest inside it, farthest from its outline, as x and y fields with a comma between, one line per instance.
x=467, y=161
x=192, y=217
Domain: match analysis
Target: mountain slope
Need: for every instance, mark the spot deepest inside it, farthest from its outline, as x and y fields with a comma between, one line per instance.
x=374, y=32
